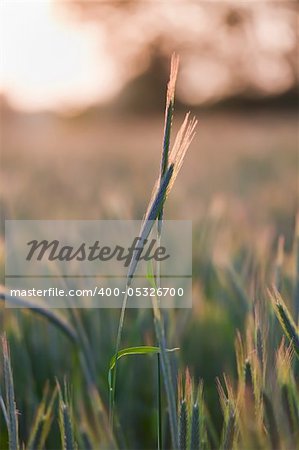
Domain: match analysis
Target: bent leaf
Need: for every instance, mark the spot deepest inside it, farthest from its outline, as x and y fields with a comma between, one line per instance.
x=141, y=350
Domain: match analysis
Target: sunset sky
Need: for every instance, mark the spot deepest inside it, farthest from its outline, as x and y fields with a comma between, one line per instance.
x=51, y=59
x=47, y=61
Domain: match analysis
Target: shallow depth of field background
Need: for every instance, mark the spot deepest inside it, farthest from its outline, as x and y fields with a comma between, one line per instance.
x=82, y=105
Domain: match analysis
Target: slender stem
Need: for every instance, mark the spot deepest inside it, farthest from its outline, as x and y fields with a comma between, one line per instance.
x=166, y=372
x=165, y=368
x=158, y=283
x=159, y=403
x=118, y=341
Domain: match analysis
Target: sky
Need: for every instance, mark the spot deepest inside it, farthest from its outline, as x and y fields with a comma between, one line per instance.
x=53, y=59
x=47, y=61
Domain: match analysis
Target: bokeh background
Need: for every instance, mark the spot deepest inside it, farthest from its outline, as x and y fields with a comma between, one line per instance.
x=82, y=103
x=83, y=89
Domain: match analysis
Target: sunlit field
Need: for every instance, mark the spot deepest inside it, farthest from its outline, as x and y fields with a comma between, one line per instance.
x=103, y=166
x=238, y=186
x=223, y=375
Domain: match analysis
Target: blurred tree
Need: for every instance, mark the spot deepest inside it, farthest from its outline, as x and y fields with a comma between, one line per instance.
x=228, y=49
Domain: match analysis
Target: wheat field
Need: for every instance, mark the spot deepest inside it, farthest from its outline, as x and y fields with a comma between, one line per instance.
x=224, y=375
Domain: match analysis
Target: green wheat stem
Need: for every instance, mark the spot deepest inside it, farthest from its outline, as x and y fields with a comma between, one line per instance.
x=166, y=371
x=159, y=420
x=158, y=281
x=163, y=169
x=118, y=342
x=145, y=231
x=170, y=167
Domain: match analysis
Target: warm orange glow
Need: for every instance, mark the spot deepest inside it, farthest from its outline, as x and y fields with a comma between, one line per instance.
x=55, y=57
x=50, y=62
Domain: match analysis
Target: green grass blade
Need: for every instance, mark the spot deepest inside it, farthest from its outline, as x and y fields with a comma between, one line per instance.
x=3, y=409
x=139, y=350
x=53, y=317
x=11, y=409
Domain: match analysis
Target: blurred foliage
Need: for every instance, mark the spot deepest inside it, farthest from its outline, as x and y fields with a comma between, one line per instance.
x=226, y=298
x=253, y=54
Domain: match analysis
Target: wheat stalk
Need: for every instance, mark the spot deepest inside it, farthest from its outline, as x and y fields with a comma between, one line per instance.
x=183, y=426
x=65, y=421
x=287, y=323
x=171, y=163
